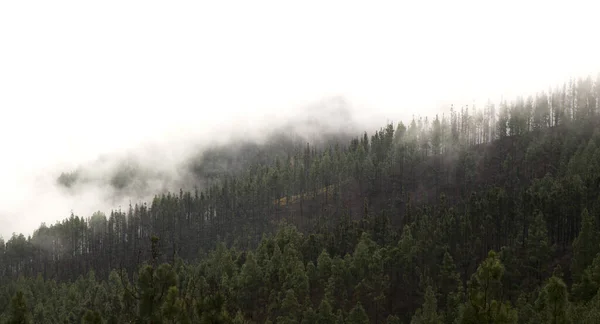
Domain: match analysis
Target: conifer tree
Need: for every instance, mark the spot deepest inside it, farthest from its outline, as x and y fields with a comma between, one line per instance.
x=557, y=300
x=586, y=246
x=357, y=315
x=484, y=303
x=428, y=314
x=19, y=312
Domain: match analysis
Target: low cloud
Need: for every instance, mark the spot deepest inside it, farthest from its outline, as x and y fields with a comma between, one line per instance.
x=134, y=174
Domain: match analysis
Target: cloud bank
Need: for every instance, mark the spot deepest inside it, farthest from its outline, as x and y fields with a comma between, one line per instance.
x=50, y=191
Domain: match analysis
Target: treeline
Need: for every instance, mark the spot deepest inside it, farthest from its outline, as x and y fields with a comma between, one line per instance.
x=523, y=181
x=296, y=278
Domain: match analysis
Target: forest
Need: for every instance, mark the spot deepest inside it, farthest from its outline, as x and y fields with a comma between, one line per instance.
x=486, y=215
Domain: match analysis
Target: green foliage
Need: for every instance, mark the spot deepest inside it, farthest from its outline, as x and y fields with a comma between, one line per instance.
x=428, y=314
x=586, y=246
x=450, y=288
x=92, y=317
x=325, y=314
x=172, y=307
x=290, y=307
x=484, y=303
x=212, y=310
x=386, y=228
x=309, y=316
x=393, y=319
x=357, y=315
x=153, y=286
x=538, y=247
x=19, y=313
x=556, y=302
x=589, y=282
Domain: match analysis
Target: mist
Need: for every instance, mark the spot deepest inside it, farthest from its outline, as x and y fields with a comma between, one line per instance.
x=135, y=172
x=125, y=97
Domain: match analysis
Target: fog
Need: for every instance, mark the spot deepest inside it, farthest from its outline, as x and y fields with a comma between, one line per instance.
x=87, y=86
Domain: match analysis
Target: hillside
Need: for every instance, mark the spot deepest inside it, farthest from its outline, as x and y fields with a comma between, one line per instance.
x=476, y=217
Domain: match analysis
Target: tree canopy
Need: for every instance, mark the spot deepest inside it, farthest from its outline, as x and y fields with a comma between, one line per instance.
x=483, y=216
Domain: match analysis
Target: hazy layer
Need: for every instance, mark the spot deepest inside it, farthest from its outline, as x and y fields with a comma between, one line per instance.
x=156, y=79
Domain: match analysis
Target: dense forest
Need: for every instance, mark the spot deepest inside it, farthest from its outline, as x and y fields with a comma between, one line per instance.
x=486, y=215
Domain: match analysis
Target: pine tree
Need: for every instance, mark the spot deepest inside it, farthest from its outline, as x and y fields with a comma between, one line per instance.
x=357, y=315
x=172, y=309
x=555, y=302
x=250, y=284
x=451, y=289
x=290, y=307
x=325, y=315
x=19, y=312
x=538, y=246
x=324, y=266
x=309, y=316
x=586, y=245
x=484, y=304
x=589, y=282
x=428, y=314
x=212, y=310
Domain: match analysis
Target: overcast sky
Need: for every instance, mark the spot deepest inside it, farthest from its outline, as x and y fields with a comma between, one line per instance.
x=80, y=78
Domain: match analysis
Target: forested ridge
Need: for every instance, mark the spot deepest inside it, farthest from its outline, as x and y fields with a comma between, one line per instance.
x=487, y=215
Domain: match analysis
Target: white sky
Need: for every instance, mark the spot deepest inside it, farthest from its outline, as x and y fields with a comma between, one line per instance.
x=79, y=78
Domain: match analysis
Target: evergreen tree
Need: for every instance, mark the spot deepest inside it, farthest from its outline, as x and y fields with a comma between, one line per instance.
x=19, y=312
x=585, y=246
x=538, y=246
x=557, y=300
x=372, y=227
x=357, y=315
x=484, y=304
x=172, y=310
x=428, y=314
x=325, y=315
